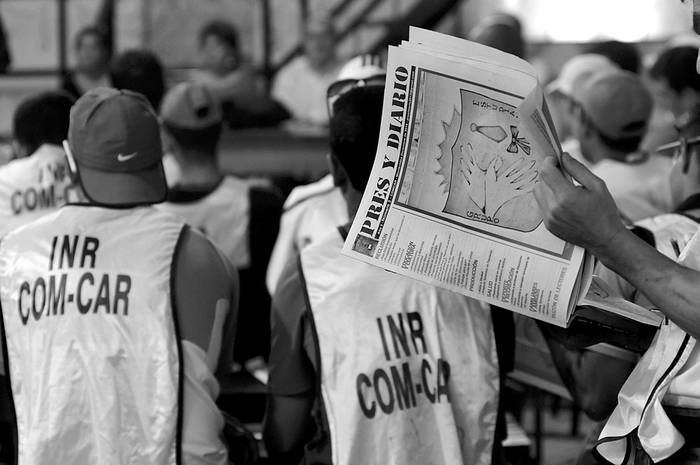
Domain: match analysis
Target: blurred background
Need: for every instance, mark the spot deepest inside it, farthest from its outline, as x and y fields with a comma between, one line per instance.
x=40, y=48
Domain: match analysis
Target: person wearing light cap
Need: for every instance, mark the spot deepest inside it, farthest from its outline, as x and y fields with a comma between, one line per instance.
x=115, y=314
x=612, y=111
x=312, y=210
x=241, y=218
x=573, y=74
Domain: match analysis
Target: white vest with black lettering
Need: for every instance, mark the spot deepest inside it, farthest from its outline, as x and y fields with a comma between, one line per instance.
x=90, y=336
x=223, y=216
x=667, y=374
x=409, y=372
x=33, y=186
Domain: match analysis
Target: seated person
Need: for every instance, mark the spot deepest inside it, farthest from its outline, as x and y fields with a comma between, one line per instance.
x=38, y=181
x=240, y=89
x=241, y=218
x=612, y=115
x=92, y=63
x=301, y=85
x=140, y=312
x=340, y=391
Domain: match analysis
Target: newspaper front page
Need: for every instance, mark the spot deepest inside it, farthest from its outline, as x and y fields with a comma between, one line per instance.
x=449, y=201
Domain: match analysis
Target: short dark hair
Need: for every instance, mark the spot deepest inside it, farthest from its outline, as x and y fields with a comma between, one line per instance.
x=676, y=66
x=354, y=131
x=93, y=31
x=42, y=119
x=202, y=141
x=225, y=32
x=623, y=54
x=139, y=71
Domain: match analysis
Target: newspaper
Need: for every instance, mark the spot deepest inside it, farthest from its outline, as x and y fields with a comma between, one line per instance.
x=449, y=202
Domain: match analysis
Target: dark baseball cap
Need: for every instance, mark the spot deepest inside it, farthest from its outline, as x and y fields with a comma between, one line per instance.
x=114, y=138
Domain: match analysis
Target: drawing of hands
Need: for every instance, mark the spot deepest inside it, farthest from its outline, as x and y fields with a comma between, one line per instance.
x=504, y=184
x=474, y=178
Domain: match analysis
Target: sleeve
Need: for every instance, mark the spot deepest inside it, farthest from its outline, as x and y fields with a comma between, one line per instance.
x=291, y=370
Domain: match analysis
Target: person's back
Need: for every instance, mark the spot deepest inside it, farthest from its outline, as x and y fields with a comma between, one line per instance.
x=130, y=309
x=367, y=366
x=39, y=181
x=400, y=361
x=238, y=216
x=93, y=303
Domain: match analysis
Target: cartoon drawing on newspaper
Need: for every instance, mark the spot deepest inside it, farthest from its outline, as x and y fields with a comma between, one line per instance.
x=485, y=164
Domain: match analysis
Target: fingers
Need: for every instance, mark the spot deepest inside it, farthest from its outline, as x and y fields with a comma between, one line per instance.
x=553, y=177
x=581, y=173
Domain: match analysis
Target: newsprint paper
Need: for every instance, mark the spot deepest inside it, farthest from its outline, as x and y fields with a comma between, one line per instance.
x=449, y=202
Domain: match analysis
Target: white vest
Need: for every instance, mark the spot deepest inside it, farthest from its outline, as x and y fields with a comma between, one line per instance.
x=409, y=372
x=91, y=338
x=33, y=186
x=223, y=216
x=669, y=371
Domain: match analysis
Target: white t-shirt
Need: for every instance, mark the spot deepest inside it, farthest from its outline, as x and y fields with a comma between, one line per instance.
x=302, y=90
x=310, y=212
x=624, y=178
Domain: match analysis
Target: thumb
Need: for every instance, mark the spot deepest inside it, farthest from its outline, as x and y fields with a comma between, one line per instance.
x=580, y=173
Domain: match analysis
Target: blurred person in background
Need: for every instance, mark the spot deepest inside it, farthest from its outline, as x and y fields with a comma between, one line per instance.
x=430, y=397
x=242, y=219
x=92, y=62
x=623, y=54
x=142, y=319
x=675, y=84
x=302, y=84
x=612, y=115
x=232, y=80
x=312, y=210
x=38, y=181
x=502, y=32
x=139, y=71
x=575, y=72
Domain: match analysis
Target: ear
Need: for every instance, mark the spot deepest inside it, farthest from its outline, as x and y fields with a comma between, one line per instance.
x=340, y=176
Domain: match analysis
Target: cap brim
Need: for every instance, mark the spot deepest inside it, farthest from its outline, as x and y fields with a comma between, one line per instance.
x=112, y=188
x=556, y=86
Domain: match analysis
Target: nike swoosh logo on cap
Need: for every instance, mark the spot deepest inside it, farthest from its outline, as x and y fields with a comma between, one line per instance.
x=122, y=158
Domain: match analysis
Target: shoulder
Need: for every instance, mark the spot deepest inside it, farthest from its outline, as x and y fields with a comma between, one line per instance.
x=197, y=256
x=300, y=194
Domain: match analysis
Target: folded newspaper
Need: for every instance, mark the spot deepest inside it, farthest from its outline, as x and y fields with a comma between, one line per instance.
x=465, y=129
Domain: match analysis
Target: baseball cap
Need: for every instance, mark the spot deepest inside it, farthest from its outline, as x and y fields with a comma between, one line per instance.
x=114, y=138
x=190, y=105
x=617, y=103
x=577, y=70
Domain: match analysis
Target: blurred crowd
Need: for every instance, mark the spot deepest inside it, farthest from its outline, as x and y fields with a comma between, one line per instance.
x=168, y=277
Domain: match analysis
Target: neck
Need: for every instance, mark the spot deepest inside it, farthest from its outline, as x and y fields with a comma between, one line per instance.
x=198, y=174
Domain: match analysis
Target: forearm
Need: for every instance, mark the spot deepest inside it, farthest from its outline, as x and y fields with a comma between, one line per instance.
x=672, y=288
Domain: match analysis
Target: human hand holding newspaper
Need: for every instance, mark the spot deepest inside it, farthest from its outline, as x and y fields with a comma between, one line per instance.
x=465, y=133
